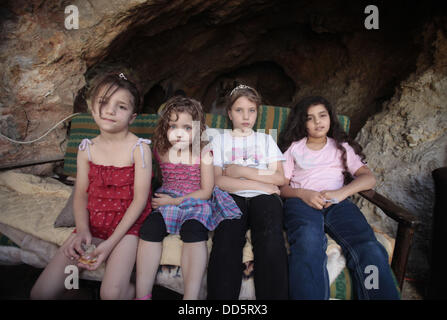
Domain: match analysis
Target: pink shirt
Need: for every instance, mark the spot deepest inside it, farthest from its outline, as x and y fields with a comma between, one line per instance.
x=318, y=170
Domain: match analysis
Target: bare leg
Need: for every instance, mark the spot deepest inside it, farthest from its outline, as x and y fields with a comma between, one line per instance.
x=51, y=282
x=148, y=260
x=194, y=258
x=116, y=281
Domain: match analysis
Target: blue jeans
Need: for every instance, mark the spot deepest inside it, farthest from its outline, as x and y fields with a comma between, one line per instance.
x=345, y=223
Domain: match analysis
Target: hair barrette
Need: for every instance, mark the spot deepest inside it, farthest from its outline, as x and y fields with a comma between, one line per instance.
x=122, y=76
x=240, y=87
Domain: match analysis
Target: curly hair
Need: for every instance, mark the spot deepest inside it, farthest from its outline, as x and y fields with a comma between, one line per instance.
x=176, y=105
x=295, y=129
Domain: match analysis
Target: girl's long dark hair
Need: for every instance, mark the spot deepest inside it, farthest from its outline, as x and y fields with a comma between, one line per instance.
x=113, y=82
x=295, y=129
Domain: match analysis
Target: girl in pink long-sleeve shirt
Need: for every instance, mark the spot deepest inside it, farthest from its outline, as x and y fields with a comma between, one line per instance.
x=323, y=168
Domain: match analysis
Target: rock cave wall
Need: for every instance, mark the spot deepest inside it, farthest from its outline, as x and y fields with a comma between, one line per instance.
x=391, y=82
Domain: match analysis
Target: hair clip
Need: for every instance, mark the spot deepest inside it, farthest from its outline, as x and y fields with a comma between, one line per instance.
x=240, y=87
x=122, y=76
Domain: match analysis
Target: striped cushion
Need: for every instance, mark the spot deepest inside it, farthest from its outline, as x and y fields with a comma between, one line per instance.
x=217, y=121
x=83, y=126
x=273, y=117
x=341, y=288
x=269, y=117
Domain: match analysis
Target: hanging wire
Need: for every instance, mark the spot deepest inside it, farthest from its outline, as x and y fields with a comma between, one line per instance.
x=43, y=136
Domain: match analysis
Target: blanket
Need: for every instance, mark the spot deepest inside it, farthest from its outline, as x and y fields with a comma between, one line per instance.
x=31, y=204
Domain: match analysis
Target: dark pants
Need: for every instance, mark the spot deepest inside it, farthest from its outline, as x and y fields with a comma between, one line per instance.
x=345, y=223
x=154, y=229
x=263, y=214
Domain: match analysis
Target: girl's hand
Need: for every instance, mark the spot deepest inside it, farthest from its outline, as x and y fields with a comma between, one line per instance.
x=270, y=188
x=313, y=198
x=232, y=170
x=73, y=249
x=162, y=199
x=101, y=254
x=333, y=194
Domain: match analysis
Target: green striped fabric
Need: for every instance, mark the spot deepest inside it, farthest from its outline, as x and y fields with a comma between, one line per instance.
x=269, y=117
x=341, y=288
x=217, y=121
x=274, y=117
x=83, y=126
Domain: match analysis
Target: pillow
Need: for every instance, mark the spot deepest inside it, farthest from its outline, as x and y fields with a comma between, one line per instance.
x=66, y=217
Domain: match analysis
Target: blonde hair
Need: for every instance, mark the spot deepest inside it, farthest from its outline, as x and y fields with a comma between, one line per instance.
x=243, y=91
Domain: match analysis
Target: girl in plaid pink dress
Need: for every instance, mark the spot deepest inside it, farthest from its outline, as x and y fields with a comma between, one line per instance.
x=187, y=203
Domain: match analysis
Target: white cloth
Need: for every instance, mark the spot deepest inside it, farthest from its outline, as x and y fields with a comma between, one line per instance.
x=257, y=150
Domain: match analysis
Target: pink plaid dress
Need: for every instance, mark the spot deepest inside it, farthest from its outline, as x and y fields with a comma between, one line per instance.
x=181, y=179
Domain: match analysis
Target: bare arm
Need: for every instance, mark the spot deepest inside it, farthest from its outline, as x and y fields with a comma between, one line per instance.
x=206, y=185
x=81, y=215
x=364, y=180
x=80, y=197
x=287, y=191
x=274, y=174
x=312, y=198
x=232, y=185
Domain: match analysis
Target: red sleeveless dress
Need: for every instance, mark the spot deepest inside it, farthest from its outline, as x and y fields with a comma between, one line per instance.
x=110, y=193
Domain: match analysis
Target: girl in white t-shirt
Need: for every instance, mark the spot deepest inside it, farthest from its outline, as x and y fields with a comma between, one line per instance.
x=320, y=163
x=248, y=165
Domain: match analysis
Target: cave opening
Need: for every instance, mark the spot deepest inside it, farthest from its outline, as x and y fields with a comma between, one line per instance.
x=390, y=81
x=285, y=49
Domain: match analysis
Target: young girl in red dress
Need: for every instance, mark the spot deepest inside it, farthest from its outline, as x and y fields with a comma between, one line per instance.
x=111, y=197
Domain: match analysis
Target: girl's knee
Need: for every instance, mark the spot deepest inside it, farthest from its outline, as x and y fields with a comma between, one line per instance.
x=227, y=239
x=37, y=294
x=307, y=235
x=307, y=242
x=51, y=281
x=111, y=292
x=377, y=250
x=153, y=228
x=193, y=231
x=44, y=291
x=371, y=252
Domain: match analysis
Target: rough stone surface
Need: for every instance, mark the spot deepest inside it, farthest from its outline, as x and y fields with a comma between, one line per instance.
x=405, y=142
x=190, y=45
x=391, y=81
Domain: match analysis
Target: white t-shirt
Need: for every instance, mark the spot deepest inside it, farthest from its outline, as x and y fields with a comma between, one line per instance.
x=257, y=150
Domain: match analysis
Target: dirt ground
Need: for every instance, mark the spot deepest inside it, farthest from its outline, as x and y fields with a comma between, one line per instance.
x=17, y=281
